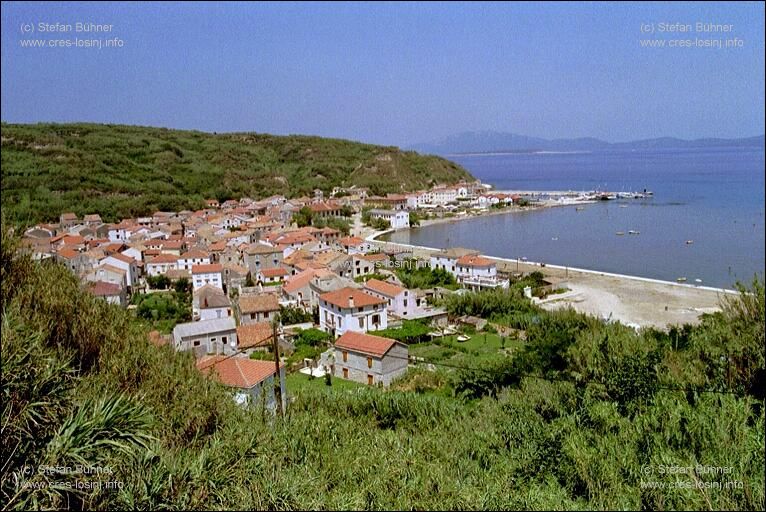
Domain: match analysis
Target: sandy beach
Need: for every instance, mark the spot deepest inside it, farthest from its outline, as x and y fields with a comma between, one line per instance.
x=631, y=300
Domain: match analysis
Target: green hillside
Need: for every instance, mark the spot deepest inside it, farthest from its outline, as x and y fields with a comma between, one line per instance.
x=571, y=422
x=122, y=171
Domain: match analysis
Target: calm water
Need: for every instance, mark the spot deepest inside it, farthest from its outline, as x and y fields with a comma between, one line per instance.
x=714, y=197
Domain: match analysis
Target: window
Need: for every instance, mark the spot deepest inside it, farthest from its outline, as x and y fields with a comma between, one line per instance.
x=266, y=314
x=196, y=343
x=345, y=356
x=369, y=362
x=360, y=309
x=213, y=340
x=375, y=319
x=361, y=323
x=224, y=340
x=405, y=303
x=252, y=316
x=369, y=380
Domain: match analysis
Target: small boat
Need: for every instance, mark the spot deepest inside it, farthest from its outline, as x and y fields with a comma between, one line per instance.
x=620, y=233
x=579, y=208
x=523, y=258
x=634, y=232
x=689, y=242
x=698, y=280
x=681, y=279
x=623, y=206
x=555, y=238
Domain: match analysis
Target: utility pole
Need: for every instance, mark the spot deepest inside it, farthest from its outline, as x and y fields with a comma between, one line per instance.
x=278, y=380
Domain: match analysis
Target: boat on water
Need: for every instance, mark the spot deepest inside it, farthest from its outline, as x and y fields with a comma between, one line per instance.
x=620, y=233
x=634, y=232
x=689, y=242
x=579, y=208
x=623, y=206
x=681, y=279
x=698, y=280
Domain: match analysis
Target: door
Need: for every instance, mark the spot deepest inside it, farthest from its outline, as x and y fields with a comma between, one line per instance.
x=369, y=380
x=345, y=373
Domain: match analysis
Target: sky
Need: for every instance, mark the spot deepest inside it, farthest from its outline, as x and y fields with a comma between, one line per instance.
x=390, y=73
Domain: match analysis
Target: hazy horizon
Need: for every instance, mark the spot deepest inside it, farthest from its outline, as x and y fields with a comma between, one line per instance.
x=392, y=74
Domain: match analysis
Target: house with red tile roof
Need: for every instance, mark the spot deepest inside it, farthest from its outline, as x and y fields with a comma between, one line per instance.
x=368, y=359
x=252, y=308
x=400, y=302
x=111, y=292
x=161, y=264
x=207, y=274
x=351, y=309
x=252, y=381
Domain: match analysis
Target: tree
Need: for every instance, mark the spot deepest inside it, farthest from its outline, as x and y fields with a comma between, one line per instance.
x=304, y=217
x=182, y=285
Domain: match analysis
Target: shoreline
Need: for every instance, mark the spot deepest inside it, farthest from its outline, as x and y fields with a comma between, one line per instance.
x=634, y=300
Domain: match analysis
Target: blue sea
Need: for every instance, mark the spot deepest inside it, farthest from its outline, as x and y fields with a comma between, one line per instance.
x=712, y=196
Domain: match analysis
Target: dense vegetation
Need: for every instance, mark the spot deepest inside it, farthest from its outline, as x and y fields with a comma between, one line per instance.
x=414, y=274
x=594, y=405
x=125, y=171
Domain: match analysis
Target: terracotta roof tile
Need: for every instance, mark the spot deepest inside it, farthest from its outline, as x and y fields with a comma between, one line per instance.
x=364, y=343
x=341, y=298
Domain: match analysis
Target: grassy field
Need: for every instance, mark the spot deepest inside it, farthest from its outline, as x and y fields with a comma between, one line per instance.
x=298, y=382
x=480, y=348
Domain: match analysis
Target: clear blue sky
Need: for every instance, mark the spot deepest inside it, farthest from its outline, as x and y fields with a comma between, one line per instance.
x=391, y=73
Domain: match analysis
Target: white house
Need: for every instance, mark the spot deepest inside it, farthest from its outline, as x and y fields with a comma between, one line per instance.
x=210, y=302
x=396, y=218
x=191, y=258
x=350, y=309
x=354, y=245
x=207, y=274
x=218, y=336
x=444, y=195
x=369, y=359
x=160, y=264
x=447, y=258
x=399, y=300
x=475, y=271
x=128, y=264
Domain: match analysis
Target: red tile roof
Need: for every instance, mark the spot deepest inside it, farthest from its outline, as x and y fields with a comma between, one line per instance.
x=163, y=258
x=104, y=289
x=258, y=303
x=67, y=253
x=273, y=272
x=350, y=241
x=254, y=335
x=302, y=279
x=206, y=269
x=194, y=254
x=238, y=372
x=364, y=343
x=122, y=257
x=382, y=287
x=474, y=261
x=341, y=298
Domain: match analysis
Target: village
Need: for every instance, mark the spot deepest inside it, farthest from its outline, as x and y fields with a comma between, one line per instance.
x=235, y=282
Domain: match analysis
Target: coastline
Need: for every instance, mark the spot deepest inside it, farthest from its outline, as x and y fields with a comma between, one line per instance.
x=634, y=300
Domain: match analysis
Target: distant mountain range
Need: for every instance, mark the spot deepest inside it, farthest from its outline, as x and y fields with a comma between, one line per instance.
x=499, y=142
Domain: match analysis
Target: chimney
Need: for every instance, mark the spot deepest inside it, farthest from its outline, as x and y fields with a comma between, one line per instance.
x=351, y=301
